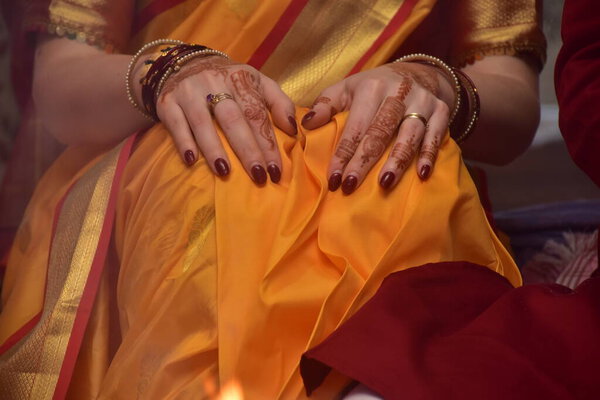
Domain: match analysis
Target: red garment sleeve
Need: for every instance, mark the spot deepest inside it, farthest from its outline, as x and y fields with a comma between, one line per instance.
x=577, y=78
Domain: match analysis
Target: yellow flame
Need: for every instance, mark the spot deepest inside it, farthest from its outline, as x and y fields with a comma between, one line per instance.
x=231, y=391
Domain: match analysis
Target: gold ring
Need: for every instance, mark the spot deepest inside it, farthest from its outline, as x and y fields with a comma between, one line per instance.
x=214, y=99
x=418, y=116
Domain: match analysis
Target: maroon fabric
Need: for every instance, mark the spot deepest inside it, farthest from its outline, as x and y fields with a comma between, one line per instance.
x=456, y=330
x=577, y=78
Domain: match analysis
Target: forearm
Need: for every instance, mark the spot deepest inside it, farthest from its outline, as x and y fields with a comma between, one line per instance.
x=509, y=111
x=80, y=94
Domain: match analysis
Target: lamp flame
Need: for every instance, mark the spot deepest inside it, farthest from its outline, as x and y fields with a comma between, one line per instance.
x=231, y=391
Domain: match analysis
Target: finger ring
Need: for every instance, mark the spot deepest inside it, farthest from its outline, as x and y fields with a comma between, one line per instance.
x=418, y=116
x=214, y=99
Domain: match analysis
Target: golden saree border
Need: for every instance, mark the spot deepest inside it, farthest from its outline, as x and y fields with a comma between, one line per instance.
x=326, y=51
x=101, y=23
x=488, y=27
x=236, y=27
x=40, y=365
x=293, y=41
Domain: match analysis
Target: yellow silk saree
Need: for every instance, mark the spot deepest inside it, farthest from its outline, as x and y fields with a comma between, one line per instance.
x=134, y=276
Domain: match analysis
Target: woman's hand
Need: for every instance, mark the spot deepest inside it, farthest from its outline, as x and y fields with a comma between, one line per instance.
x=183, y=107
x=378, y=101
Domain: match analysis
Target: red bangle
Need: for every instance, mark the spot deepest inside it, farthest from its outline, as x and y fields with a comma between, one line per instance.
x=158, y=69
x=468, y=114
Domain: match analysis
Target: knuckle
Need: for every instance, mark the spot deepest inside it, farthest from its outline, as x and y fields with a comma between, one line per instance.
x=197, y=119
x=231, y=119
x=369, y=86
x=411, y=128
x=356, y=129
x=442, y=108
x=168, y=118
x=401, y=155
x=248, y=154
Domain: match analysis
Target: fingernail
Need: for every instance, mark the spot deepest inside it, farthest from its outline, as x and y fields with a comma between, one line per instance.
x=349, y=184
x=425, y=170
x=294, y=124
x=221, y=167
x=335, y=180
x=387, y=179
x=274, y=173
x=258, y=174
x=308, y=117
x=189, y=157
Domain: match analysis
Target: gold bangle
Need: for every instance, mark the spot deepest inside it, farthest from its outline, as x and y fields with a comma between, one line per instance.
x=132, y=63
x=448, y=72
x=473, y=102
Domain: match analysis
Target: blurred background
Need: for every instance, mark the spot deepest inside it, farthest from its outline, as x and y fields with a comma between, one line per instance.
x=544, y=174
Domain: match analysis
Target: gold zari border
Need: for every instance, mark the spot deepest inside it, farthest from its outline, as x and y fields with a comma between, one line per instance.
x=315, y=53
x=31, y=368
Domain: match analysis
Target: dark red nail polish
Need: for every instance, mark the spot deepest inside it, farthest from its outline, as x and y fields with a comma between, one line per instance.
x=349, y=184
x=294, y=124
x=221, y=166
x=308, y=117
x=189, y=157
x=258, y=174
x=387, y=179
x=335, y=180
x=274, y=173
x=425, y=170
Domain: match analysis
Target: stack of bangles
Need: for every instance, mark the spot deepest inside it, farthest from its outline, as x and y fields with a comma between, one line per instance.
x=465, y=112
x=168, y=61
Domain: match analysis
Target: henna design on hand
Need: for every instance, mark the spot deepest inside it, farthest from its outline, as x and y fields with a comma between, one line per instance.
x=216, y=64
x=321, y=99
x=385, y=123
x=246, y=86
x=403, y=152
x=347, y=148
x=424, y=76
x=429, y=151
x=325, y=100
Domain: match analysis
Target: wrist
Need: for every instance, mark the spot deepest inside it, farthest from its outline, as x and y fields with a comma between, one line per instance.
x=138, y=74
x=447, y=92
x=448, y=74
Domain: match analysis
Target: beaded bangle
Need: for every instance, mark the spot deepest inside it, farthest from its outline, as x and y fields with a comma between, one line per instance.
x=474, y=106
x=448, y=72
x=133, y=61
x=166, y=65
x=157, y=70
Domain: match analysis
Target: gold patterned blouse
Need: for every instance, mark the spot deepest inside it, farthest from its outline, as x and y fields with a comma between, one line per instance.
x=460, y=31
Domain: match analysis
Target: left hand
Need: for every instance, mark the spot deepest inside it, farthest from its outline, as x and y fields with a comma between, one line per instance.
x=378, y=101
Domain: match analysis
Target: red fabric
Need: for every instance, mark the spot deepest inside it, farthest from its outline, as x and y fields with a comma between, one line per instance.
x=268, y=46
x=456, y=330
x=577, y=78
x=151, y=11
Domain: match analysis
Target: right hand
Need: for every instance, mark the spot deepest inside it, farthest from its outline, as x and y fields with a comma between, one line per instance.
x=183, y=108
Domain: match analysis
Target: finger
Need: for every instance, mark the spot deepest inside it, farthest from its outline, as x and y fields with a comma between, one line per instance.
x=246, y=88
x=282, y=108
x=408, y=142
x=325, y=106
x=176, y=123
x=240, y=137
x=436, y=128
x=203, y=129
x=362, y=111
x=376, y=139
